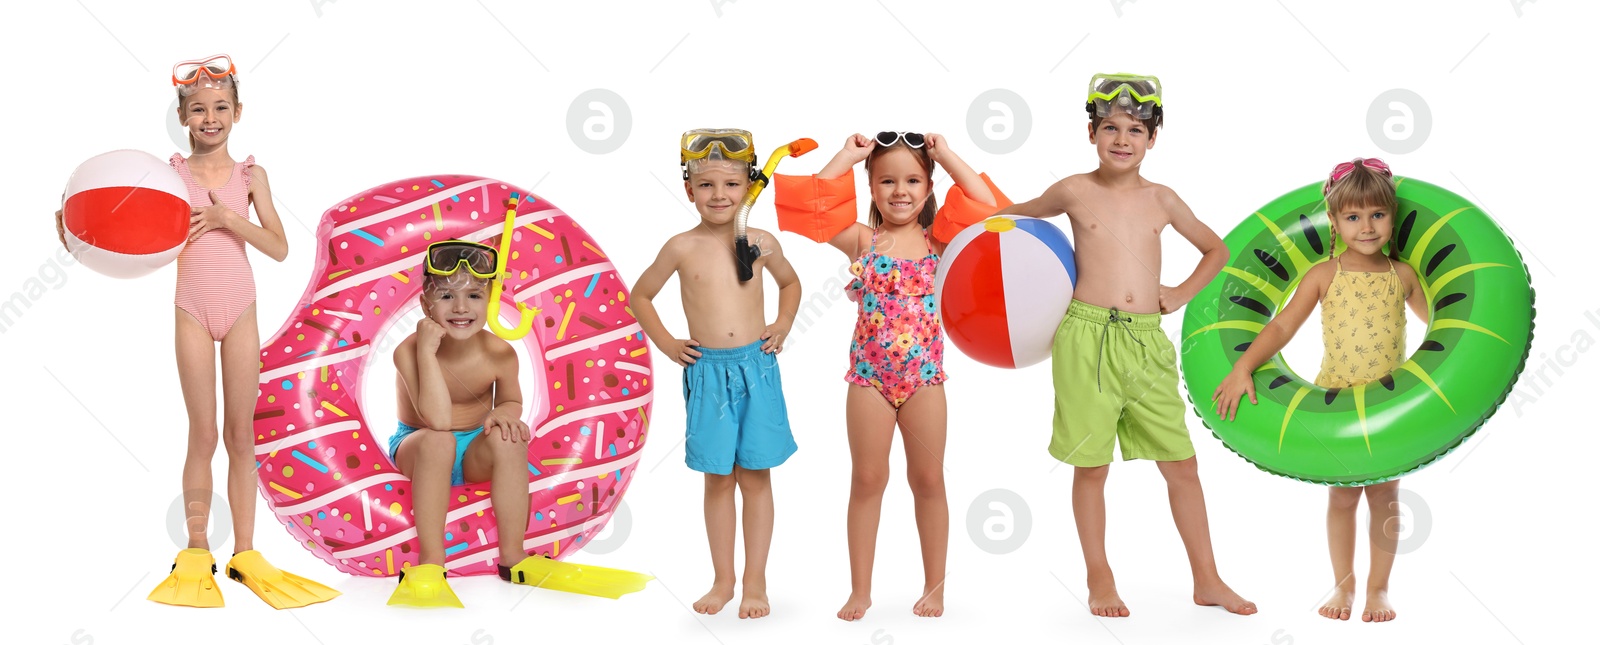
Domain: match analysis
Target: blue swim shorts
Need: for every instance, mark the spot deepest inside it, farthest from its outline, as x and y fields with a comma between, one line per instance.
x=734, y=400
x=463, y=439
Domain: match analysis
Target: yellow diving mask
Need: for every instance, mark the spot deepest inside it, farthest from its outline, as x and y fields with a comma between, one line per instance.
x=450, y=256
x=717, y=143
x=1139, y=96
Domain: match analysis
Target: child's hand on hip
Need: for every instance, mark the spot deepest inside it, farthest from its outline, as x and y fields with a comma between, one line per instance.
x=681, y=350
x=1171, y=299
x=1227, y=395
x=774, y=336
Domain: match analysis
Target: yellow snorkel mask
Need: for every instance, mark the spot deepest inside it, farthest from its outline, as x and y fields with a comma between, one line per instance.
x=1139, y=96
x=720, y=144
x=739, y=145
x=459, y=258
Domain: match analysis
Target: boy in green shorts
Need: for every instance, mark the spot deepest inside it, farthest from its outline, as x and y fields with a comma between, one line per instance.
x=1115, y=371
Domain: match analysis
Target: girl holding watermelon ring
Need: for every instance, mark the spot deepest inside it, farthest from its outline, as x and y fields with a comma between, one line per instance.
x=1364, y=293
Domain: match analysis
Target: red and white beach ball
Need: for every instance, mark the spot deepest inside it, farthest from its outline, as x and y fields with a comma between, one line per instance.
x=1003, y=287
x=126, y=213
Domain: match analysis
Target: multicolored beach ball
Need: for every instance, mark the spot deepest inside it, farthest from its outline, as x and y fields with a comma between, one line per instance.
x=1003, y=286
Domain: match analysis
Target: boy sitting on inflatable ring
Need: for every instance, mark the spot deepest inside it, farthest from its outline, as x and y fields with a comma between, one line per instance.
x=460, y=416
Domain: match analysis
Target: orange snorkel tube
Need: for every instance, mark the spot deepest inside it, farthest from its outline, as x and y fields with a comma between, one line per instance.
x=525, y=314
x=745, y=254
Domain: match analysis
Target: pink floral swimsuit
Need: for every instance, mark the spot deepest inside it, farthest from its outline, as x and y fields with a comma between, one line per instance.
x=898, y=345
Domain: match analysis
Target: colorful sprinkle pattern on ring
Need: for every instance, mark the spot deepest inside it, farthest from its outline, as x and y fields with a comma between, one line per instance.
x=322, y=470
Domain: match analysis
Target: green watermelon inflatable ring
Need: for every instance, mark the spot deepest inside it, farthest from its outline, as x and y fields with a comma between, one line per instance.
x=1477, y=342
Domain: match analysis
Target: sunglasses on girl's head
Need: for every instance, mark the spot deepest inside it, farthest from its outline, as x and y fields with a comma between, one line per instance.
x=188, y=72
x=448, y=257
x=912, y=139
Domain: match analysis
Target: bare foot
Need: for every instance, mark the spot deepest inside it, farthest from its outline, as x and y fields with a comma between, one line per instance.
x=713, y=601
x=754, y=604
x=1104, y=601
x=1217, y=594
x=1378, y=609
x=1338, y=605
x=855, y=607
x=931, y=604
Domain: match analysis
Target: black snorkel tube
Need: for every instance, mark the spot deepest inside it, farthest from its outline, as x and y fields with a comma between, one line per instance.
x=744, y=253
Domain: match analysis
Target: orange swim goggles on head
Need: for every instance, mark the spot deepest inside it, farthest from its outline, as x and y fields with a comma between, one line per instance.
x=189, y=72
x=450, y=256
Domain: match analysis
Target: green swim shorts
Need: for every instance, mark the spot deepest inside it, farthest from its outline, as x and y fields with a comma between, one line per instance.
x=1116, y=379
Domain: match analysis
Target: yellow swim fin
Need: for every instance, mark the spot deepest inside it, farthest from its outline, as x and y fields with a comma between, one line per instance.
x=192, y=582
x=539, y=571
x=278, y=588
x=424, y=586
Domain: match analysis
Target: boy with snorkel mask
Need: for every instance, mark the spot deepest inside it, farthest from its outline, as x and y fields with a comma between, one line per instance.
x=460, y=417
x=1115, y=371
x=738, y=422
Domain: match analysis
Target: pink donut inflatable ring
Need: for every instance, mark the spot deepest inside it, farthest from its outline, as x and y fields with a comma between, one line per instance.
x=320, y=466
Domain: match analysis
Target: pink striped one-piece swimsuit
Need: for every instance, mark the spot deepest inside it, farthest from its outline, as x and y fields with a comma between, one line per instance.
x=215, y=284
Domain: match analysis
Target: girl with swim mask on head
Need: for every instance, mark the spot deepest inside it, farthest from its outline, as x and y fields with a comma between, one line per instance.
x=215, y=303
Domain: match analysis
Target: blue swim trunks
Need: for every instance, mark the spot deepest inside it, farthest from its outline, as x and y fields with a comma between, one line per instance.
x=734, y=401
x=463, y=439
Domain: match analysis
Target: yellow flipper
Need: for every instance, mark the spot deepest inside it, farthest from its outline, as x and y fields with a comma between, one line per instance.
x=192, y=582
x=538, y=571
x=424, y=586
x=276, y=587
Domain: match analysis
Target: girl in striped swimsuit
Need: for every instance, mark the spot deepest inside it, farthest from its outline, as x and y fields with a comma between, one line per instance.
x=215, y=303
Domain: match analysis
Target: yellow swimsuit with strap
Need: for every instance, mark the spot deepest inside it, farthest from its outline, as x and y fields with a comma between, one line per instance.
x=1363, y=326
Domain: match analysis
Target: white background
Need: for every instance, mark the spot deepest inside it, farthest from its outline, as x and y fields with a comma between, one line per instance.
x=1262, y=97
